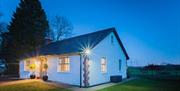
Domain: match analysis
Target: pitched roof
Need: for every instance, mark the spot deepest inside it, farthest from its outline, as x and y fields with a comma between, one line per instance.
x=76, y=44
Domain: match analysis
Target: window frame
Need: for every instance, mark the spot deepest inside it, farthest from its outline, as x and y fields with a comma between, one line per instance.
x=120, y=64
x=112, y=40
x=26, y=66
x=64, y=64
x=103, y=65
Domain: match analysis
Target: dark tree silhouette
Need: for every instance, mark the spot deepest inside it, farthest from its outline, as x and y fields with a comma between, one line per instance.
x=3, y=25
x=28, y=28
x=3, y=30
x=26, y=32
x=153, y=68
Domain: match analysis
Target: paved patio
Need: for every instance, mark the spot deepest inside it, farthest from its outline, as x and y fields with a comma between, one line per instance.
x=3, y=83
x=94, y=88
x=8, y=78
x=99, y=86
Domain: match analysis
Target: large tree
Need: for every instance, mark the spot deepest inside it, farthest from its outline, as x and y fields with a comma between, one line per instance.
x=28, y=28
x=3, y=30
x=2, y=27
x=61, y=28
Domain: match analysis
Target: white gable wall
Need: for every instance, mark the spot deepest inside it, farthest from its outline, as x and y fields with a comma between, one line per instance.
x=113, y=53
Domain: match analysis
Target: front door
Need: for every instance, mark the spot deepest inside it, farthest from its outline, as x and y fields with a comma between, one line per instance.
x=43, y=66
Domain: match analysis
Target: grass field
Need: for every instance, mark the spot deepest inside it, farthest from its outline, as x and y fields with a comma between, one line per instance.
x=146, y=85
x=31, y=86
x=133, y=85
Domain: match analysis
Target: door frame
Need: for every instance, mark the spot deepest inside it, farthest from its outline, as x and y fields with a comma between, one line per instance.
x=43, y=60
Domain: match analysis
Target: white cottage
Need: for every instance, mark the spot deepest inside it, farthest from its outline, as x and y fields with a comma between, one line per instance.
x=85, y=60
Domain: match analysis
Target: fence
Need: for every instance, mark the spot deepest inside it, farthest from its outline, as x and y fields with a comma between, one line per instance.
x=12, y=69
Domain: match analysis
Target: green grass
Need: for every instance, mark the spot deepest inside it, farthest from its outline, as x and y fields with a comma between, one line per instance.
x=145, y=85
x=31, y=86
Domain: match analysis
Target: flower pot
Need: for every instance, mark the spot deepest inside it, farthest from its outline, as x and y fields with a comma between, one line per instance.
x=45, y=78
x=32, y=76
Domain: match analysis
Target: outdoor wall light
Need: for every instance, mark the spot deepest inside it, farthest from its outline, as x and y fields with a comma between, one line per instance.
x=87, y=51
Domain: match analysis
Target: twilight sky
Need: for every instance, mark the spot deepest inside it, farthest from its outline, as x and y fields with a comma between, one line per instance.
x=149, y=29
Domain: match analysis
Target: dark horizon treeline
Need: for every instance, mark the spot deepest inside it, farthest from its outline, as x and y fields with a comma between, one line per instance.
x=168, y=71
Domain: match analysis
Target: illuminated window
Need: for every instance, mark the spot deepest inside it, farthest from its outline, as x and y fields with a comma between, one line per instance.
x=103, y=65
x=26, y=65
x=64, y=64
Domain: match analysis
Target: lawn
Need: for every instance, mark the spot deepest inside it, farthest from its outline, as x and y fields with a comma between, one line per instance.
x=145, y=85
x=31, y=86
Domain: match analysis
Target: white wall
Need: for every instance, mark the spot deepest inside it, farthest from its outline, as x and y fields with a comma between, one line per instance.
x=72, y=77
x=112, y=53
x=22, y=73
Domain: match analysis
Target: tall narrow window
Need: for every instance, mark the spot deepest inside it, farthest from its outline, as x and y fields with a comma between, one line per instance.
x=103, y=65
x=64, y=64
x=119, y=64
x=112, y=40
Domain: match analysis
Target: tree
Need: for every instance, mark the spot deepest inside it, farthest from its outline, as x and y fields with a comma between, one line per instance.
x=61, y=28
x=3, y=32
x=3, y=28
x=3, y=44
x=26, y=32
x=28, y=28
x=152, y=68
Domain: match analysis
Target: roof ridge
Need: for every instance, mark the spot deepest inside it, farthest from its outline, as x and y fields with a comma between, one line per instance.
x=107, y=29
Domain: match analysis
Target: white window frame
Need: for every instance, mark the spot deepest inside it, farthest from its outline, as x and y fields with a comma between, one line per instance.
x=26, y=66
x=61, y=63
x=103, y=65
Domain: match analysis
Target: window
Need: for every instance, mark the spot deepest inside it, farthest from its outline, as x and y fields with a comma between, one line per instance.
x=103, y=65
x=26, y=65
x=119, y=64
x=64, y=64
x=112, y=40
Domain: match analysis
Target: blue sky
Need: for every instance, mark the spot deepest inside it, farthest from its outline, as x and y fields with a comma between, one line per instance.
x=149, y=29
